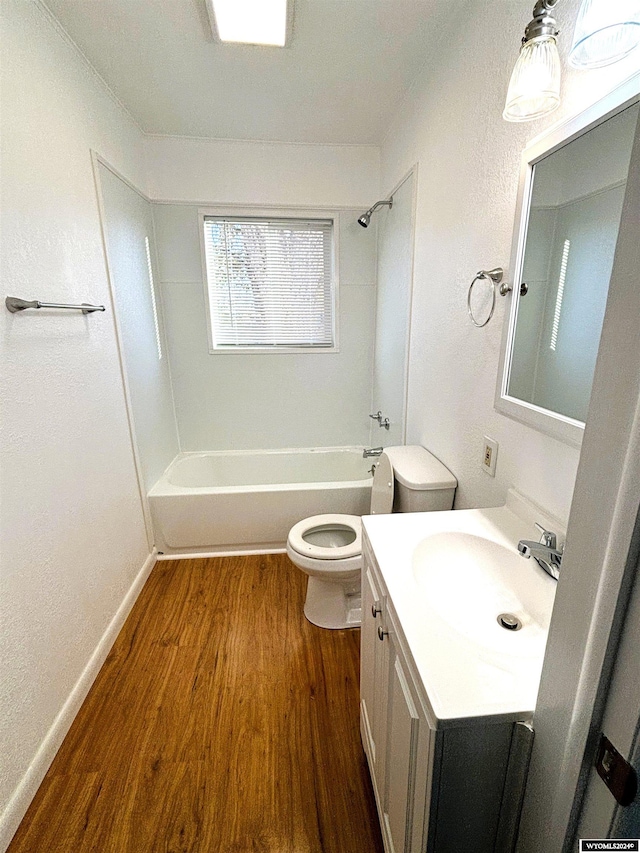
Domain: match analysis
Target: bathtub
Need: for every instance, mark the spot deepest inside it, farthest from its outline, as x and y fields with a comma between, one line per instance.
x=241, y=501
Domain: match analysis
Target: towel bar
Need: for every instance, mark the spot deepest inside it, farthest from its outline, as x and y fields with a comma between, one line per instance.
x=14, y=305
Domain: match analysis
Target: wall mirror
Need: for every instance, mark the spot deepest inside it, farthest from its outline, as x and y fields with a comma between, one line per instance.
x=572, y=188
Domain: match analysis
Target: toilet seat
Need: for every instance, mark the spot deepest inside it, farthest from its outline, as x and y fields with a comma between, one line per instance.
x=328, y=548
x=300, y=539
x=351, y=523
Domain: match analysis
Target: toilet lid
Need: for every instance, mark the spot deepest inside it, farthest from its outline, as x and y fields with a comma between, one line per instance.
x=382, y=489
x=317, y=524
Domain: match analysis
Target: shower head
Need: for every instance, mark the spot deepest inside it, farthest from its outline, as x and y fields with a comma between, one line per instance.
x=365, y=219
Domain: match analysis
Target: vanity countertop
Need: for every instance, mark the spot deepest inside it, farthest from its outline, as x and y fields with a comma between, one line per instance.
x=444, y=610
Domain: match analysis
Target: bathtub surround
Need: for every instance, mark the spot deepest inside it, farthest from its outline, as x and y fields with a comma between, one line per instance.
x=130, y=246
x=393, y=312
x=254, y=401
x=244, y=401
x=74, y=549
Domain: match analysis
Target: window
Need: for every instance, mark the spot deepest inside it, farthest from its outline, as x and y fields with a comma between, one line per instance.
x=270, y=283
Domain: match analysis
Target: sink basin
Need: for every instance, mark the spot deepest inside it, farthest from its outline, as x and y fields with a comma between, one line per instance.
x=467, y=582
x=448, y=576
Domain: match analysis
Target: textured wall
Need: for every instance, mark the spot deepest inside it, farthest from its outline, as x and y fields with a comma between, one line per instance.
x=451, y=123
x=72, y=530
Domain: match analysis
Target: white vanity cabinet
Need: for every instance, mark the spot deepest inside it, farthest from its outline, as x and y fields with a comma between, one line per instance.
x=374, y=668
x=394, y=726
x=440, y=786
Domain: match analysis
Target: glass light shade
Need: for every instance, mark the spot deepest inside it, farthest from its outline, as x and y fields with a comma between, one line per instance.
x=534, y=88
x=606, y=31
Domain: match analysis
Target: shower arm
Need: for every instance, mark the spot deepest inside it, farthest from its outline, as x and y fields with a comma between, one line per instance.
x=388, y=201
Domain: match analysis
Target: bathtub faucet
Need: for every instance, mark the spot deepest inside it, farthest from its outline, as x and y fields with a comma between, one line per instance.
x=371, y=451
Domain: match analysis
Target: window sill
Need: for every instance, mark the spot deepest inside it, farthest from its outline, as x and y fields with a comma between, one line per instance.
x=273, y=350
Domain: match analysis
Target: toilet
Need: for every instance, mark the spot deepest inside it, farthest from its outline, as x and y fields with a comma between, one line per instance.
x=328, y=548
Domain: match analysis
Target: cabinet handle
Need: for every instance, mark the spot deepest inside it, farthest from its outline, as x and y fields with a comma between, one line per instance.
x=375, y=609
x=382, y=634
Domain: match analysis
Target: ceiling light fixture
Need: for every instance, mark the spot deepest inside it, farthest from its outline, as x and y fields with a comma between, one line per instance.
x=266, y=22
x=606, y=31
x=534, y=88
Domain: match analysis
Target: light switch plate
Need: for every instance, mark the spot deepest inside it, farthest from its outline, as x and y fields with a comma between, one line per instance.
x=489, y=456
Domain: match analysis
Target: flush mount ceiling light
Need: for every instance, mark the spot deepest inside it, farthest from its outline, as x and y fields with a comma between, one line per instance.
x=266, y=22
x=606, y=31
x=534, y=88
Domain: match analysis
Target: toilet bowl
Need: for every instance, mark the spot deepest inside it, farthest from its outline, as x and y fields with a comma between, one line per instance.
x=328, y=548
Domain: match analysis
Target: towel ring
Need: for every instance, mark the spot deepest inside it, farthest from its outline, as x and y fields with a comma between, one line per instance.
x=495, y=277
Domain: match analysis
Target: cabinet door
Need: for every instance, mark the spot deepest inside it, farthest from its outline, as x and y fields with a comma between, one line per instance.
x=409, y=747
x=373, y=680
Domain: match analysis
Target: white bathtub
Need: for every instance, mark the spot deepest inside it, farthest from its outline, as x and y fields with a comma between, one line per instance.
x=236, y=501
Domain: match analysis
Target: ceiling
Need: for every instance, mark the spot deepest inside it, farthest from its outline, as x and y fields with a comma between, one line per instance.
x=347, y=69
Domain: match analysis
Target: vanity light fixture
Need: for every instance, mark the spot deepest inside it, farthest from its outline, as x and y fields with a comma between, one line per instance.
x=534, y=88
x=606, y=31
x=263, y=22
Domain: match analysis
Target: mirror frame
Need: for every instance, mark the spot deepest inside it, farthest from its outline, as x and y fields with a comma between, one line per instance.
x=559, y=426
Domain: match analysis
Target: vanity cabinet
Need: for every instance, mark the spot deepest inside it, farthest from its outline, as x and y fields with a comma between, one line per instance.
x=395, y=729
x=440, y=786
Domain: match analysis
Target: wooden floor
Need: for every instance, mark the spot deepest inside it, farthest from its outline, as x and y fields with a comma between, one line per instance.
x=221, y=721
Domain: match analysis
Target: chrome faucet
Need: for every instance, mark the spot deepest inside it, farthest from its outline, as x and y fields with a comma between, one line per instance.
x=371, y=451
x=545, y=552
x=382, y=421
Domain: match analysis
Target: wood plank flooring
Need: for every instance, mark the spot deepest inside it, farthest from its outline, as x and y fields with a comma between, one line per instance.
x=221, y=721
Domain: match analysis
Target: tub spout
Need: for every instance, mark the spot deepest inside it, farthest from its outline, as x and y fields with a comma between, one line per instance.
x=371, y=451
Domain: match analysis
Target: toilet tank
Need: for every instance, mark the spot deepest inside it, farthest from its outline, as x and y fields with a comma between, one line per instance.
x=422, y=482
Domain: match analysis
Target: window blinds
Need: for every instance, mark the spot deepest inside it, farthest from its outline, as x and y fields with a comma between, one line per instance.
x=270, y=282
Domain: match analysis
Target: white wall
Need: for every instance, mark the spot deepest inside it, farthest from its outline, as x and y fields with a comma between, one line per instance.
x=128, y=223
x=269, y=173
x=451, y=124
x=228, y=401
x=273, y=400
x=73, y=535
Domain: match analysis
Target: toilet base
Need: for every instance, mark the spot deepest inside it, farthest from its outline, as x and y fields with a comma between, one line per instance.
x=333, y=605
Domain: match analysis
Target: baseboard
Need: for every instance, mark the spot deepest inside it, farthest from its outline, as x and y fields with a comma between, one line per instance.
x=26, y=790
x=225, y=552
